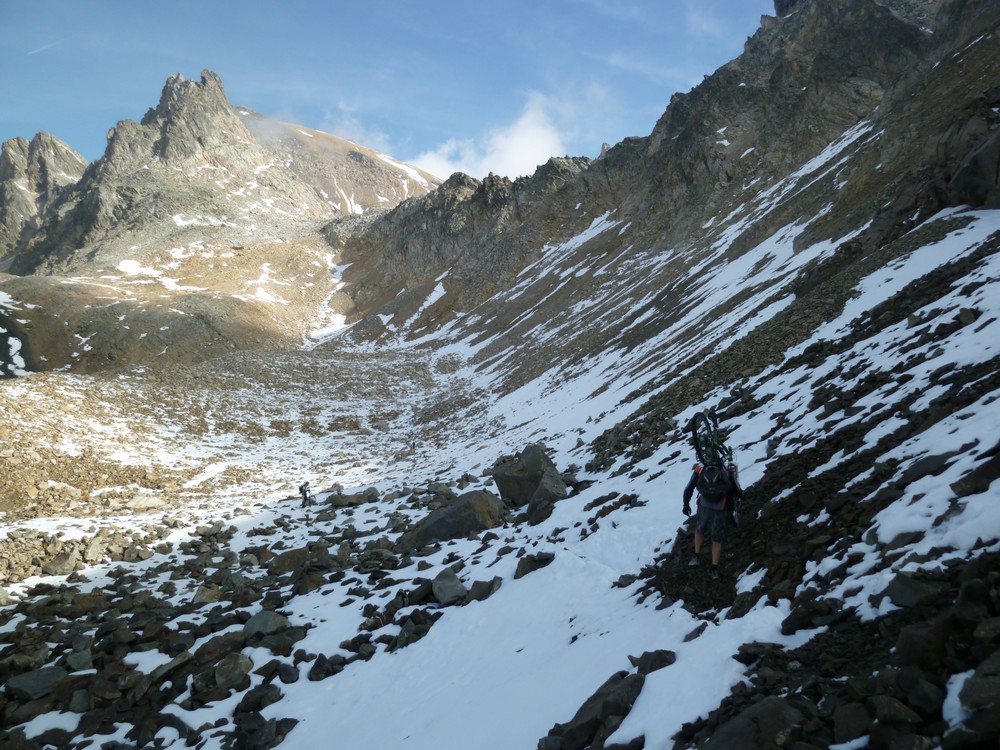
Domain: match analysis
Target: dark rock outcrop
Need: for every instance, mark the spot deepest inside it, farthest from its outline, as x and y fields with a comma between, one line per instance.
x=770, y=723
x=784, y=7
x=448, y=588
x=598, y=717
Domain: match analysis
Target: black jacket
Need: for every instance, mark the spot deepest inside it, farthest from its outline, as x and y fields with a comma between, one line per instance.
x=689, y=490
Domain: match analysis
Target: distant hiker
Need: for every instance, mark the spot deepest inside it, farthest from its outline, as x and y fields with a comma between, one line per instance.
x=307, y=499
x=718, y=489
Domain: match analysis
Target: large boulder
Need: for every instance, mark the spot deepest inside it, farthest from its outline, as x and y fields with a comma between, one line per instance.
x=62, y=564
x=265, y=622
x=529, y=478
x=338, y=499
x=36, y=683
x=311, y=556
x=448, y=588
x=470, y=513
x=550, y=488
x=232, y=671
x=531, y=563
x=982, y=690
x=766, y=724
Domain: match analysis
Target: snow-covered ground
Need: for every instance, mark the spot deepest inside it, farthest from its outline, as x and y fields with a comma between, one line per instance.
x=498, y=673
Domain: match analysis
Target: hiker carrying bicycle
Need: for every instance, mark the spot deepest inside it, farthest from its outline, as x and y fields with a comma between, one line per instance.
x=716, y=480
x=307, y=496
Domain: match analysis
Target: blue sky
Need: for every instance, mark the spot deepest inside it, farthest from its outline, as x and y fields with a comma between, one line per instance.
x=445, y=84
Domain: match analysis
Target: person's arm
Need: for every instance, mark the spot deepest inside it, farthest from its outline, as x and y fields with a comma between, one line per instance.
x=737, y=490
x=689, y=490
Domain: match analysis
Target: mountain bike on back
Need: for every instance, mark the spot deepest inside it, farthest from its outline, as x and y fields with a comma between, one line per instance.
x=715, y=478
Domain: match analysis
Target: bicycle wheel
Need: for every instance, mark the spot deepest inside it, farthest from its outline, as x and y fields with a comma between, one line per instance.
x=704, y=439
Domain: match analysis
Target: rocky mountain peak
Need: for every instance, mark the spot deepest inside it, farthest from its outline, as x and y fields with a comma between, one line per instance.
x=33, y=175
x=192, y=121
x=550, y=176
x=190, y=156
x=45, y=161
x=180, y=96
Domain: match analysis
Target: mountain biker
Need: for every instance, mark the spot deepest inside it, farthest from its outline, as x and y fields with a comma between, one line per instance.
x=718, y=489
x=306, y=495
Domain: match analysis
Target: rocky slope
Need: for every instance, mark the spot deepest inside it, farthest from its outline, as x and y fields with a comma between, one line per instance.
x=479, y=233
x=805, y=244
x=716, y=186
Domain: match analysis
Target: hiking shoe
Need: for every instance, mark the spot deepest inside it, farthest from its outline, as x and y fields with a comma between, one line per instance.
x=694, y=562
x=713, y=573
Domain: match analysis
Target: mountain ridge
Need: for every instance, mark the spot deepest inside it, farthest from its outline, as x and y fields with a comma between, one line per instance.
x=684, y=165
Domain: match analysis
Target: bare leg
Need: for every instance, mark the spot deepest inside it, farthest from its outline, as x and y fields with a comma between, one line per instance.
x=716, y=550
x=699, y=539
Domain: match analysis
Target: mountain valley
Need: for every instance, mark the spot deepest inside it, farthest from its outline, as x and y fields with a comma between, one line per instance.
x=487, y=385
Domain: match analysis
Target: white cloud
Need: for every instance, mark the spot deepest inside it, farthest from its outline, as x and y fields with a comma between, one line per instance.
x=343, y=122
x=512, y=150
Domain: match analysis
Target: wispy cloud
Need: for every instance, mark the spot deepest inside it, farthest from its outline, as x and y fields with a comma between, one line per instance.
x=44, y=47
x=701, y=22
x=345, y=122
x=511, y=150
x=653, y=71
x=620, y=11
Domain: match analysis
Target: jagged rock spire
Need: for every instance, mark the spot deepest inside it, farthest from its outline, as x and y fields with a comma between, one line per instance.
x=192, y=120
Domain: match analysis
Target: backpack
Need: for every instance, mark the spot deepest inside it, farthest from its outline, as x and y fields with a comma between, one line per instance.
x=714, y=483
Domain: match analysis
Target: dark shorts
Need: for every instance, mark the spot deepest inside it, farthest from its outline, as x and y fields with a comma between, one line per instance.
x=713, y=523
